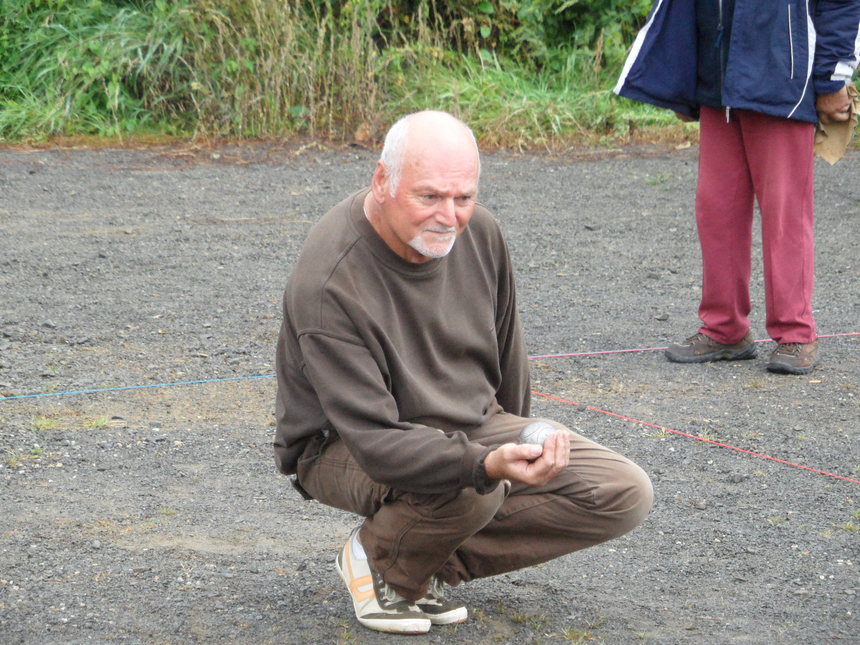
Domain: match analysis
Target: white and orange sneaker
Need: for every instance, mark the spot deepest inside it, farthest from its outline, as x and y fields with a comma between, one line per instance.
x=377, y=606
x=438, y=609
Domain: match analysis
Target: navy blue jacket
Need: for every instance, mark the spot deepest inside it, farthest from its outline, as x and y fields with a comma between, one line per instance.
x=781, y=55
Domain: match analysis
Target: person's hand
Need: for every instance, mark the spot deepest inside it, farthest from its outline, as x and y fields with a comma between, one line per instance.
x=834, y=107
x=684, y=117
x=526, y=463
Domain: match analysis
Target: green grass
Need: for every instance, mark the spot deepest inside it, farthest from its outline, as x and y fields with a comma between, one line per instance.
x=17, y=458
x=521, y=76
x=98, y=423
x=41, y=423
x=268, y=69
x=510, y=105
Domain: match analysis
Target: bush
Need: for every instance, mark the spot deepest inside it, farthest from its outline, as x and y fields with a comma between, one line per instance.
x=257, y=68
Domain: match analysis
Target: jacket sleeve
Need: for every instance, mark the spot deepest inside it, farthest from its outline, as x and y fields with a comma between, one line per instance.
x=837, y=48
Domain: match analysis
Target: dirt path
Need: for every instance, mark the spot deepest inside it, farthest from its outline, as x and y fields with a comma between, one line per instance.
x=146, y=509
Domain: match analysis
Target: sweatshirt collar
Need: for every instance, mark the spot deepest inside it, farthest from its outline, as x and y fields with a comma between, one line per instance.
x=378, y=246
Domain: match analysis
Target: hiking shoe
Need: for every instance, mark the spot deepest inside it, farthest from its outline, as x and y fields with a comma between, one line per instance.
x=439, y=610
x=699, y=348
x=793, y=358
x=377, y=605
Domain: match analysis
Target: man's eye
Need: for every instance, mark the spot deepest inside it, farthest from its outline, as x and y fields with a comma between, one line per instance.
x=429, y=198
x=464, y=200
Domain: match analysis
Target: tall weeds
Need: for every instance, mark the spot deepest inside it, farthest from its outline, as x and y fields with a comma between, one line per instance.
x=272, y=67
x=327, y=68
x=89, y=68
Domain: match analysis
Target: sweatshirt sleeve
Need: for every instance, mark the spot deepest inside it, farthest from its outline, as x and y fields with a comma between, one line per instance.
x=354, y=395
x=837, y=49
x=513, y=394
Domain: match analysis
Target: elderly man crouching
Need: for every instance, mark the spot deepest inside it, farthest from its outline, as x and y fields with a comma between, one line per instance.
x=403, y=384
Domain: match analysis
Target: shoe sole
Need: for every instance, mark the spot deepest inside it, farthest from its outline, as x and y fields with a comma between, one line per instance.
x=410, y=627
x=450, y=617
x=782, y=368
x=459, y=615
x=743, y=354
x=388, y=625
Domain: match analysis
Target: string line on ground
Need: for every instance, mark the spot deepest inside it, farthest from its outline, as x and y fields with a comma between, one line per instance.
x=257, y=376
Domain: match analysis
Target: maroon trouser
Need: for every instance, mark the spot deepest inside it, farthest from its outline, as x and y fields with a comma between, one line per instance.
x=462, y=535
x=755, y=156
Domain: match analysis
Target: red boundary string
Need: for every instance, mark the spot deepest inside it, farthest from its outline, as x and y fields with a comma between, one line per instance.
x=692, y=436
x=547, y=396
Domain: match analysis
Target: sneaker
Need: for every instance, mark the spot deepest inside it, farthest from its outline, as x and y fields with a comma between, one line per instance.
x=377, y=605
x=794, y=358
x=701, y=349
x=439, y=610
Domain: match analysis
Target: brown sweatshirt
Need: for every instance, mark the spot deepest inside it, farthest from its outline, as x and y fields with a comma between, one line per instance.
x=399, y=359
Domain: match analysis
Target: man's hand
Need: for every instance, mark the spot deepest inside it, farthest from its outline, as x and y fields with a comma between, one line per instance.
x=526, y=463
x=834, y=107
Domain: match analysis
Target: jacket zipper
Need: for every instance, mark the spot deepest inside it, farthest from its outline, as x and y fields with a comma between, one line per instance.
x=719, y=45
x=790, y=42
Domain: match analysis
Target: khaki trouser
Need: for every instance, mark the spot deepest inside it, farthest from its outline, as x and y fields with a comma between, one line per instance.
x=462, y=535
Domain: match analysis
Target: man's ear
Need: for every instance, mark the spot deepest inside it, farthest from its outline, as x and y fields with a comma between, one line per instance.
x=379, y=183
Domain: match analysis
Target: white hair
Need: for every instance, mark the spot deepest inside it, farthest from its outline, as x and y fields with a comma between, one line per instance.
x=394, y=149
x=393, y=152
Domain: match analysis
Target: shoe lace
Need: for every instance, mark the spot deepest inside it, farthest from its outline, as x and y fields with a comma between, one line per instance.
x=436, y=589
x=696, y=338
x=389, y=595
x=387, y=592
x=792, y=349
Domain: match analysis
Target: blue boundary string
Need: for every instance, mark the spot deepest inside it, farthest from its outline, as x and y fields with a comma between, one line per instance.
x=245, y=378
x=135, y=387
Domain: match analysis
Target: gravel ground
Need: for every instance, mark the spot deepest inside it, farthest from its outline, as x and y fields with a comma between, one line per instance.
x=139, y=305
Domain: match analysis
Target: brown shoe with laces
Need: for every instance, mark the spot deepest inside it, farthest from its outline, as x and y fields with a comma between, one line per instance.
x=699, y=348
x=794, y=358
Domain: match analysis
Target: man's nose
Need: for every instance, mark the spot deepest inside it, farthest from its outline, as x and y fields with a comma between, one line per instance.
x=447, y=213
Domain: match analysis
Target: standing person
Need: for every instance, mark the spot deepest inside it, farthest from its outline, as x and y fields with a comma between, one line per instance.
x=758, y=74
x=403, y=385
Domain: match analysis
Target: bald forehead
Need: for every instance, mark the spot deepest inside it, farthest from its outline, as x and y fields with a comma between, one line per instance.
x=439, y=123
x=439, y=137
x=438, y=127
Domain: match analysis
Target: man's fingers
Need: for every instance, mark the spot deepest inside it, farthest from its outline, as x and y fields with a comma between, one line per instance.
x=556, y=452
x=834, y=117
x=834, y=107
x=530, y=463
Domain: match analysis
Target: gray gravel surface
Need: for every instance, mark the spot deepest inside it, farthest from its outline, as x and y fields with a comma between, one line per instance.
x=139, y=503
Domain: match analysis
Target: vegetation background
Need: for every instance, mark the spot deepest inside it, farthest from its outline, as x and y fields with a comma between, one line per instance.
x=523, y=73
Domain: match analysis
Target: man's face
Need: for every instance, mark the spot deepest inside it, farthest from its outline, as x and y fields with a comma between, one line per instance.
x=433, y=204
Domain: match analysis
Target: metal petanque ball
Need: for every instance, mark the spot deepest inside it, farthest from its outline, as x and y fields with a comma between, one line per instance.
x=536, y=432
